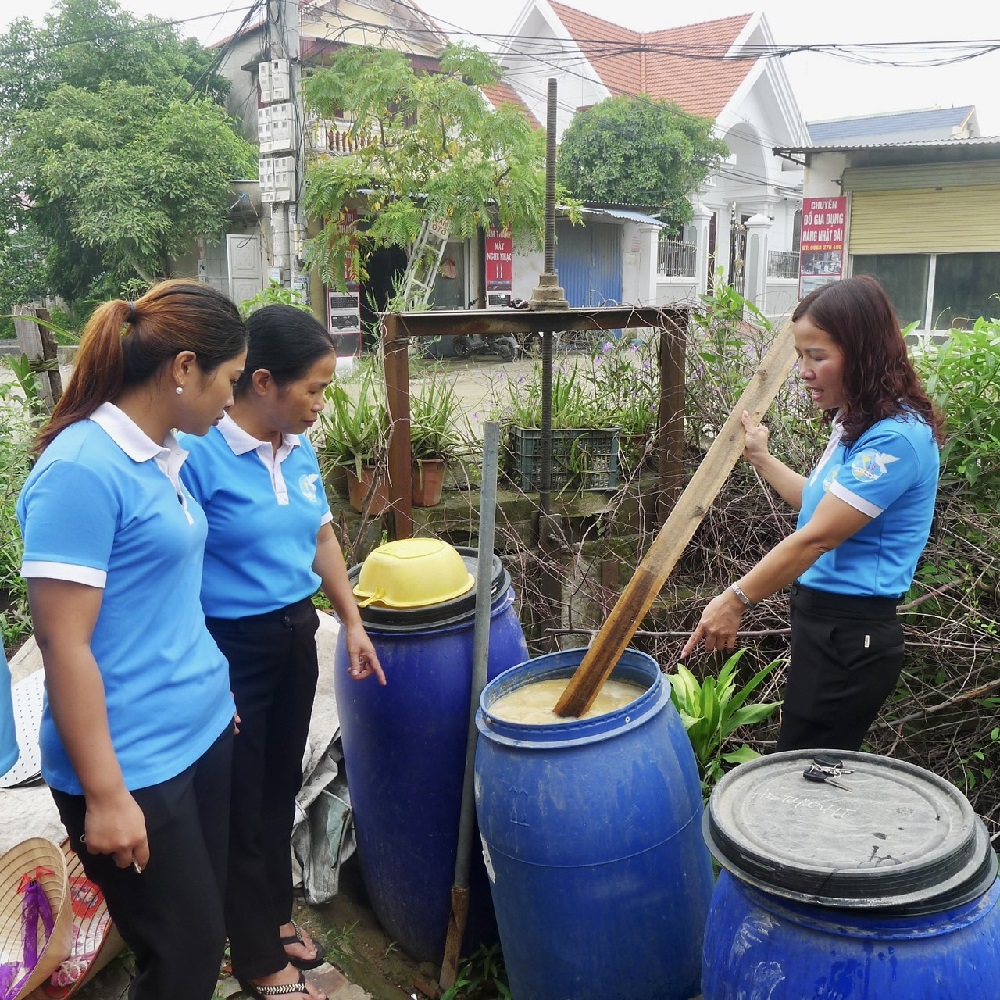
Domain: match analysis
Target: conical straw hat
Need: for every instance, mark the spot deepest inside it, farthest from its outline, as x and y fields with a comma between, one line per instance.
x=95, y=940
x=40, y=860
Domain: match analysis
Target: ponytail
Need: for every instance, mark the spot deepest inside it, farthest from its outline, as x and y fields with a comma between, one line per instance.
x=125, y=344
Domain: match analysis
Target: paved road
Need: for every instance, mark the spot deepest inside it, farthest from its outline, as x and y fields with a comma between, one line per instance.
x=475, y=379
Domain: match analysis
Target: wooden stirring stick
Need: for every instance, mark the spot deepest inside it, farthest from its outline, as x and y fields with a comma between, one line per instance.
x=687, y=514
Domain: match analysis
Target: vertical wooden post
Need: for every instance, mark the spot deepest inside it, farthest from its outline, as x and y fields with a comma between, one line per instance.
x=397, y=397
x=39, y=346
x=670, y=445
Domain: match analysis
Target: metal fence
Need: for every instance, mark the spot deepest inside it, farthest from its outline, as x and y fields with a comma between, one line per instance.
x=675, y=259
x=782, y=264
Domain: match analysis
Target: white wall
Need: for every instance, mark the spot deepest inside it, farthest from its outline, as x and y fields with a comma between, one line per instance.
x=782, y=297
x=528, y=265
x=576, y=86
x=241, y=101
x=675, y=290
x=639, y=247
x=823, y=174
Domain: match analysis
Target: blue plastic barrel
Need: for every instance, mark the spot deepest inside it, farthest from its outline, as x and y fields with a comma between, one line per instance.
x=404, y=756
x=880, y=885
x=759, y=945
x=592, y=832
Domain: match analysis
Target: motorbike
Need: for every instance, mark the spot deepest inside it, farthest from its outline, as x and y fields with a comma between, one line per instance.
x=502, y=344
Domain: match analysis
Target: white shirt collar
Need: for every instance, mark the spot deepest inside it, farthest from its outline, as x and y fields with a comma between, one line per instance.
x=140, y=447
x=240, y=441
x=134, y=441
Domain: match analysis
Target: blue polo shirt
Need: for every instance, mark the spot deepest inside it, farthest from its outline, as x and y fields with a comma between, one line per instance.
x=890, y=473
x=264, y=511
x=8, y=734
x=105, y=507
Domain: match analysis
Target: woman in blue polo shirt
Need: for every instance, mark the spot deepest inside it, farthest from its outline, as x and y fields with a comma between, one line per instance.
x=8, y=733
x=137, y=728
x=270, y=546
x=865, y=514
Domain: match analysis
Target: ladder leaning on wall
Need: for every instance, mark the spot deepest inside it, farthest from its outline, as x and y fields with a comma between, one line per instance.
x=422, y=267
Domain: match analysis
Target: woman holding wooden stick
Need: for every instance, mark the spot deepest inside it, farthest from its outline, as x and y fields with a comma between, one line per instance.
x=865, y=513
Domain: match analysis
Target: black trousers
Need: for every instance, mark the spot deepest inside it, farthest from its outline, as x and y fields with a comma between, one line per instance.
x=273, y=671
x=171, y=915
x=847, y=654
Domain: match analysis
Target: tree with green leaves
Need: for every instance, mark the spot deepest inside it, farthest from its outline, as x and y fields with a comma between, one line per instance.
x=639, y=151
x=115, y=151
x=428, y=146
x=135, y=177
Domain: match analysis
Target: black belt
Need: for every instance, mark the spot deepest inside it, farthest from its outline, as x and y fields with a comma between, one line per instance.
x=291, y=614
x=811, y=599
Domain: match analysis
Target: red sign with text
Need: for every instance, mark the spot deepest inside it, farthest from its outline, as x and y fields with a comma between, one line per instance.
x=499, y=262
x=821, y=256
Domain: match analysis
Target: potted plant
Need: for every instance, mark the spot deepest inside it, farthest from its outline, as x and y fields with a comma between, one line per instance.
x=584, y=440
x=355, y=433
x=434, y=439
x=624, y=380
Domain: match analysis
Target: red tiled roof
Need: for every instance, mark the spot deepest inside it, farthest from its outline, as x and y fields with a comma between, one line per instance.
x=502, y=93
x=683, y=65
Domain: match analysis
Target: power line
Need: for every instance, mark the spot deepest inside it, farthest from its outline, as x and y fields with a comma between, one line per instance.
x=765, y=144
x=228, y=45
x=149, y=25
x=965, y=48
x=387, y=32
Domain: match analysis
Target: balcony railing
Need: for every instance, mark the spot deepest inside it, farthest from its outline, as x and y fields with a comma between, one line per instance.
x=675, y=259
x=782, y=264
x=335, y=139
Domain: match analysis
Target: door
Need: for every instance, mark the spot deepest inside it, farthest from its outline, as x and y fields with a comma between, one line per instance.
x=589, y=263
x=246, y=267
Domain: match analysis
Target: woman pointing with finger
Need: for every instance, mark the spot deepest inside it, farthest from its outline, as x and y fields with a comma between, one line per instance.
x=865, y=513
x=270, y=547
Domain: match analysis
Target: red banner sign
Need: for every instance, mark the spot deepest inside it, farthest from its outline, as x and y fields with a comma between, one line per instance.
x=499, y=262
x=821, y=256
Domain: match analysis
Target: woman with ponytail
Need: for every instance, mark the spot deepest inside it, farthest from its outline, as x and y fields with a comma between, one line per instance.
x=136, y=735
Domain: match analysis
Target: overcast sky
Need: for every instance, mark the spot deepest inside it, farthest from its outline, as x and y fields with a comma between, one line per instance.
x=825, y=87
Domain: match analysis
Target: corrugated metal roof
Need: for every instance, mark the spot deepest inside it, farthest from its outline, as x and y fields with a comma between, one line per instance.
x=625, y=214
x=904, y=144
x=925, y=120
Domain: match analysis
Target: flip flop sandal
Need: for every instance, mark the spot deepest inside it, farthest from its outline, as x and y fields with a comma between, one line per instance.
x=304, y=964
x=283, y=989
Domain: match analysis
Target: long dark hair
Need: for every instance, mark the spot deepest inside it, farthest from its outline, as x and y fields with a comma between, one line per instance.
x=125, y=344
x=879, y=378
x=284, y=340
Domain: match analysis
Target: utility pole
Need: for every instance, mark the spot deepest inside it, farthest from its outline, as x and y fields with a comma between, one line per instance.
x=280, y=132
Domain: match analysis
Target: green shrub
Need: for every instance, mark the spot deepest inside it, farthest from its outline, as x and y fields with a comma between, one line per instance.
x=962, y=376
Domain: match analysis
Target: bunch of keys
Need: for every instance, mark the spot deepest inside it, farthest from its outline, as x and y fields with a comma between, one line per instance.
x=825, y=768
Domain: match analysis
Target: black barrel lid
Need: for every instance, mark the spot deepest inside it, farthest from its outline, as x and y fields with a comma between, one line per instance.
x=888, y=835
x=444, y=612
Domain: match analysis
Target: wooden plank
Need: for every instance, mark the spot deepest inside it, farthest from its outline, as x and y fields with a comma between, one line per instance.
x=39, y=346
x=670, y=542
x=440, y=323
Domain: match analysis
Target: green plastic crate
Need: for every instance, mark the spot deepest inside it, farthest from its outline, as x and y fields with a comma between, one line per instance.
x=583, y=458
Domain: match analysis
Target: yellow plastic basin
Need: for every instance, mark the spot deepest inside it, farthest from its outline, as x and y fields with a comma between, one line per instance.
x=412, y=573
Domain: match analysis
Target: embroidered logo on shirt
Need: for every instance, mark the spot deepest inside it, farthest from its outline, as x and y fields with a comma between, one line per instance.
x=870, y=465
x=830, y=478
x=308, y=486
